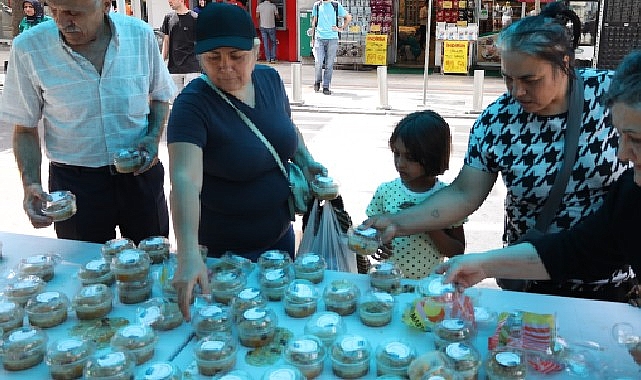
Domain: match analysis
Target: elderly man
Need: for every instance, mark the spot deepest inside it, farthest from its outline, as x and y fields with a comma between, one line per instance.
x=97, y=81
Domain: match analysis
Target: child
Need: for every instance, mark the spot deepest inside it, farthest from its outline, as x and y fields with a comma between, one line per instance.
x=421, y=146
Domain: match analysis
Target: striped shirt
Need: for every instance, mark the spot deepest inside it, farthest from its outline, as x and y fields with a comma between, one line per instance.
x=87, y=116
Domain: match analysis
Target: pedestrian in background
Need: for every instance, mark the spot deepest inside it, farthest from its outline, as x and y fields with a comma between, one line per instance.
x=325, y=20
x=267, y=14
x=421, y=145
x=34, y=14
x=97, y=82
x=201, y=5
x=179, y=26
x=522, y=136
x=228, y=190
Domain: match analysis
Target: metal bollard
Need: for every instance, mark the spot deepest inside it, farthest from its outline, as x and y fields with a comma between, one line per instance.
x=297, y=83
x=477, y=98
x=381, y=74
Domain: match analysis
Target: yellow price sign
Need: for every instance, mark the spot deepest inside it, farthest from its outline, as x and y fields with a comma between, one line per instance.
x=455, y=57
x=376, y=49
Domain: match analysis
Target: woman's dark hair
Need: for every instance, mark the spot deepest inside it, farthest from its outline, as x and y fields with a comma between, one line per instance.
x=426, y=136
x=626, y=83
x=550, y=36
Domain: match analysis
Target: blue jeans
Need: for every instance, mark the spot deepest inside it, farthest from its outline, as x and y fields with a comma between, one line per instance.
x=324, y=51
x=269, y=43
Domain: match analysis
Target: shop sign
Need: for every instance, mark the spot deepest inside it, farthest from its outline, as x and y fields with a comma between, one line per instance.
x=376, y=49
x=455, y=57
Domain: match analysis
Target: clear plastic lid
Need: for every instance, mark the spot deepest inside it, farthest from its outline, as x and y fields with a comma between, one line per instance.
x=216, y=346
x=133, y=336
x=154, y=243
x=129, y=160
x=326, y=325
x=235, y=374
x=275, y=277
x=110, y=365
x=341, y=290
x=304, y=350
x=508, y=363
x=283, y=372
x=47, y=301
x=161, y=371
x=38, y=265
x=351, y=348
x=24, y=340
x=274, y=259
x=227, y=279
x=453, y=330
x=160, y=314
x=9, y=310
x=21, y=289
x=113, y=246
x=69, y=350
x=363, y=241
x=231, y=261
x=301, y=291
x=94, y=294
x=324, y=187
x=395, y=353
x=258, y=317
x=309, y=262
x=433, y=286
x=245, y=299
x=60, y=205
x=95, y=268
x=130, y=259
x=462, y=356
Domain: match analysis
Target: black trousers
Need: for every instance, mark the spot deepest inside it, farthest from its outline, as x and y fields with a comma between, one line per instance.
x=106, y=199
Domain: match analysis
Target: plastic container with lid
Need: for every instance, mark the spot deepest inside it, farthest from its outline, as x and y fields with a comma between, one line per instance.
x=21, y=289
x=437, y=299
x=96, y=271
x=161, y=371
x=60, y=205
x=307, y=353
x=231, y=261
x=66, y=357
x=350, y=356
x=363, y=241
x=301, y=299
x=211, y=318
x=341, y=296
x=273, y=282
x=138, y=339
x=324, y=188
x=283, y=372
x=463, y=360
x=234, y=374
x=439, y=373
x=393, y=357
x=326, y=325
x=226, y=284
x=11, y=315
x=38, y=265
x=110, y=365
x=257, y=327
x=131, y=265
x=506, y=363
x=375, y=309
x=114, y=246
x=93, y=301
x=215, y=353
x=245, y=299
x=386, y=276
x=157, y=247
x=134, y=292
x=310, y=266
x=23, y=348
x=274, y=259
x=160, y=314
x=47, y=309
x=129, y=160
x=452, y=330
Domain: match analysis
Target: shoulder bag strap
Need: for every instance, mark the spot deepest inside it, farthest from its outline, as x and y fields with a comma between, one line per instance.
x=572, y=131
x=251, y=126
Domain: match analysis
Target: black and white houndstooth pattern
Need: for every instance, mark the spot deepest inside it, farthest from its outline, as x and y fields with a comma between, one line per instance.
x=527, y=149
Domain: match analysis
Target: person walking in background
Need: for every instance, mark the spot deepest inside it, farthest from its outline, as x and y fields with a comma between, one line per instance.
x=325, y=21
x=421, y=145
x=34, y=15
x=267, y=14
x=100, y=86
x=422, y=20
x=179, y=27
x=201, y=5
x=522, y=136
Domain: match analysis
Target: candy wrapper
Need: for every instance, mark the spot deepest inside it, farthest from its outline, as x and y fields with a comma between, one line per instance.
x=426, y=312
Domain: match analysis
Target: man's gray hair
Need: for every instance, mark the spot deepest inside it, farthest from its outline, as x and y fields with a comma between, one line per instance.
x=626, y=82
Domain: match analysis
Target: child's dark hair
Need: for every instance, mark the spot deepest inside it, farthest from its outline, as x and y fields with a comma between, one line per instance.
x=426, y=136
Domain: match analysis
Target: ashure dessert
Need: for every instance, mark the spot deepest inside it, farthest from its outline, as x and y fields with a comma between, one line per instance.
x=246, y=299
x=350, y=356
x=47, y=309
x=162, y=371
x=226, y=284
x=506, y=364
x=393, y=357
x=386, y=276
x=128, y=160
x=463, y=359
x=234, y=374
x=341, y=296
x=131, y=265
x=282, y=372
x=23, y=288
x=230, y=261
x=23, y=348
x=137, y=339
x=96, y=271
x=113, y=365
x=363, y=241
x=324, y=188
x=37, y=265
x=450, y=331
x=274, y=259
x=257, y=327
x=210, y=319
x=114, y=246
x=11, y=315
x=326, y=325
x=134, y=292
x=157, y=247
x=60, y=205
x=160, y=314
x=215, y=353
x=307, y=353
x=301, y=299
x=93, y=301
x=375, y=309
x=310, y=266
x=273, y=282
x=66, y=357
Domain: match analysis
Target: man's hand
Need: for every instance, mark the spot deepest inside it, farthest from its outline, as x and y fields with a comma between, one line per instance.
x=463, y=270
x=191, y=271
x=34, y=200
x=384, y=224
x=148, y=149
